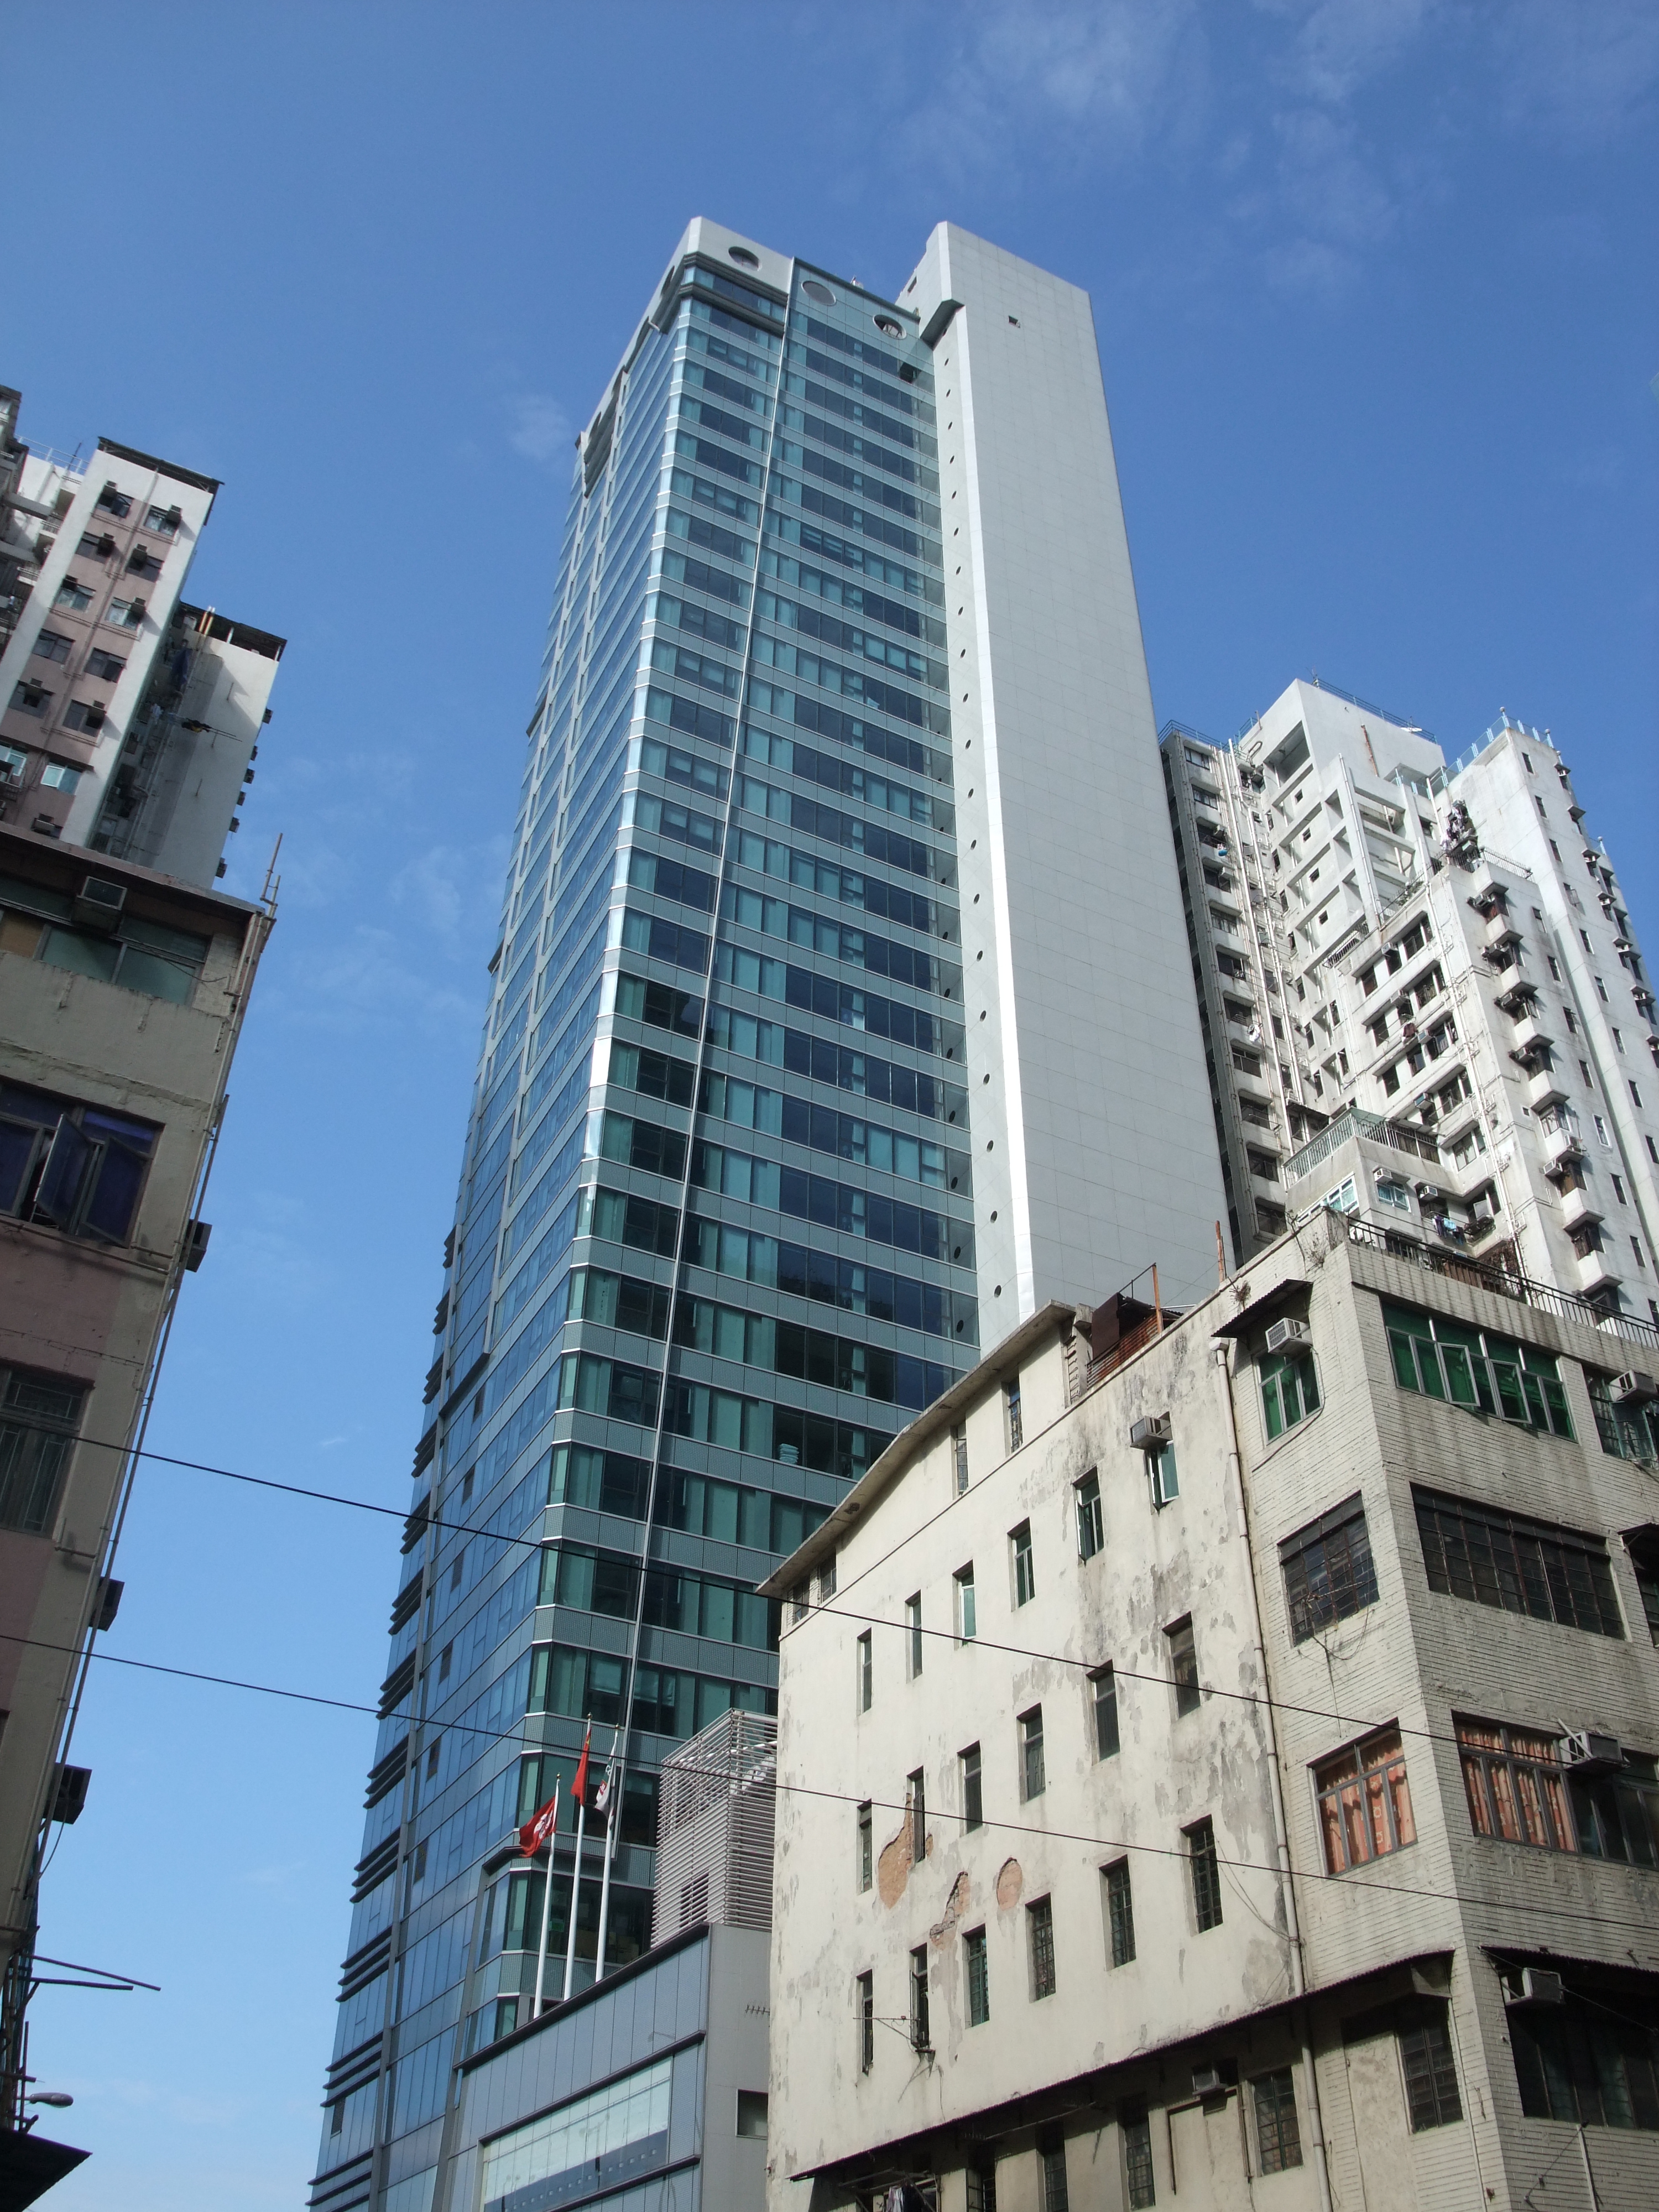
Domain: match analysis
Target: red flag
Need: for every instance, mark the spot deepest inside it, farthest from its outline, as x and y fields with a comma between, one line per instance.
x=536, y=1831
x=579, y=1787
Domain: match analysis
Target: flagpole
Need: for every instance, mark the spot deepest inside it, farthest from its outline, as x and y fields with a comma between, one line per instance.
x=613, y=1778
x=575, y=1891
x=547, y=1907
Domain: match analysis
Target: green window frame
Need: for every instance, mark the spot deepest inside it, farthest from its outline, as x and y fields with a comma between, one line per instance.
x=1476, y=1369
x=1289, y=1390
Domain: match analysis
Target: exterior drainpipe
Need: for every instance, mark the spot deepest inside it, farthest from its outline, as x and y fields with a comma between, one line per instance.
x=1281, y=1832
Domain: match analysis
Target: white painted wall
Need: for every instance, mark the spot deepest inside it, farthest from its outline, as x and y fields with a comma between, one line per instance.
x=1094, y=1152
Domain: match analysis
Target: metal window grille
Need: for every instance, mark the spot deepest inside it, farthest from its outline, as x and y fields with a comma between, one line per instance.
x=979, y=1985
x=1120, y=1912
x=959, y=1455
x=1055, y=2197
x=1138, y=2160
x=1364, y=1803
x=866, y=2022
x=1519, y=1565
x=982, y=2185
x=1426, y=2059
x=1328, y=1569
x=1277, y=2136
x=1041, y=1921
x=1016, y=1418
x=1206, y=1874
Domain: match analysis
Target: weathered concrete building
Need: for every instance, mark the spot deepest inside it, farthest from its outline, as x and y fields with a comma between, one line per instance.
x=128, y=720
x=1217, y=1762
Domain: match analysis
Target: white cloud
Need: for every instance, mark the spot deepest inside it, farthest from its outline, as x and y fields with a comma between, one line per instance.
x=1578, y=72
x=541, y=429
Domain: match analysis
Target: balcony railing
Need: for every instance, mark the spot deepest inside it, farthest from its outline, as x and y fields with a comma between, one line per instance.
x=1355, y=1121
x=1582, y=1313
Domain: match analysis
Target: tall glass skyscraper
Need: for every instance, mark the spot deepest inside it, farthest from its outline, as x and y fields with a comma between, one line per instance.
x=834, y=820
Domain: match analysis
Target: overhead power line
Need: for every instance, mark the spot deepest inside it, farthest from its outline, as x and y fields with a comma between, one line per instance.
x=1118, y=1845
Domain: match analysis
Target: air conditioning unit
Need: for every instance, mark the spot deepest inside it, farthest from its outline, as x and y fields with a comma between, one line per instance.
x=1634, y=1388
x=1538, y=1986
x=1427, y=1190
x=1151, y=1432
x=98, y=903
x=1288, y=1335
x=1583, y=1751
x=1208, y=2081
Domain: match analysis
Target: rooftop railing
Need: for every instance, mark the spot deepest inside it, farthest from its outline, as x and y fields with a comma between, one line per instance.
x=1543, y=1298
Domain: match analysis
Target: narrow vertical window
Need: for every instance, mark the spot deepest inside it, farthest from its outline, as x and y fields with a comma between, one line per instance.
x=1138, y=2160
x=913, y=1633
x=1051, y=2157
x=1103, y=1682
x=866, y=1846
x=1426, y=2060
x=1039, y=1931
x=1119, y=1912
x=1206, y=1867
x=1019, y=1543
x=1278, y=2138
x=967, y=1611
x=866, y=2000
x=920, y=2036
x=982, y=2183
x=864, y=1671
x=1166, y=1480
x=979, y=1983
x=1183, y=1667
x=959, y=1460
x=1032, y=1781
x=916, y=1798
x=1091, y=1528
x=972, y=1794
x=1016, y=1416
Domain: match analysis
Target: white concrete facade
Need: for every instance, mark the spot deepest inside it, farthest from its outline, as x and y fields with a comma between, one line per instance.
x=1092, y=1152
x=1276, y=2055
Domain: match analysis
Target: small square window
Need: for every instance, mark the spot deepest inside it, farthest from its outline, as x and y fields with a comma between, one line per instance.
x=752, y=2112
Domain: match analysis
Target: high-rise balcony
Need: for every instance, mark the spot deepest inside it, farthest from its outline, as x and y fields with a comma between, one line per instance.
x=1545, y=1089
x=1579, y=1209
x=1596, y=1273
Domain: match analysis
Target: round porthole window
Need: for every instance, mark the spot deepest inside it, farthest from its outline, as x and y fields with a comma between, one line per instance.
x=889, y=328
x=816, y=290
x=741, y=253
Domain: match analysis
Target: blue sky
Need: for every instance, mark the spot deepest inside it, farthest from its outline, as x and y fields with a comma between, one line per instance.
x=1373, y=282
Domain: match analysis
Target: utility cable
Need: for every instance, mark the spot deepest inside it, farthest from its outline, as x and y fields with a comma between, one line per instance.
x=1361, y=1724
x=1348, y=1880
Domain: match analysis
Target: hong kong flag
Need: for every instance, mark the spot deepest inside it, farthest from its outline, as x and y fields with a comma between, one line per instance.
x=536, y=1831
x=579, y=1788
